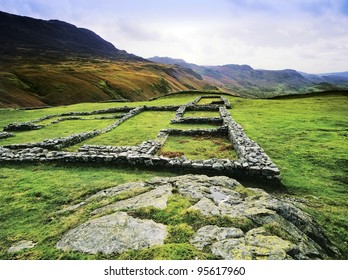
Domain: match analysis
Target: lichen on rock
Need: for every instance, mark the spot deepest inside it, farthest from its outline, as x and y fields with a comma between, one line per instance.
x=113, y=233
x=279, y=230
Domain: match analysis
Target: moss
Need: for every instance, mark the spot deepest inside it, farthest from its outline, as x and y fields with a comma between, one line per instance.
x=198, y=114
x=171, y=215
x=182, y=251
x=177, y=212
x=275, y=229
x=245, y=192
x=180, y=233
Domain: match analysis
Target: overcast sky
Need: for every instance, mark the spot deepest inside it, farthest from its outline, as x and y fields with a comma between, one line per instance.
x=306, y=35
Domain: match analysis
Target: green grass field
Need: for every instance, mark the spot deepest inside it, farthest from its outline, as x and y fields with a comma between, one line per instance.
x=205, y=101
x=200, y=114
x=305, y=137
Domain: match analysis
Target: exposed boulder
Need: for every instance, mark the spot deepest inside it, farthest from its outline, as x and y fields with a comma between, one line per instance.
x=113, y=233
x=21, y=245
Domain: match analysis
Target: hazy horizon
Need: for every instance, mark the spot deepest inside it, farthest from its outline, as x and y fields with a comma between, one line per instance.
x=309, y=35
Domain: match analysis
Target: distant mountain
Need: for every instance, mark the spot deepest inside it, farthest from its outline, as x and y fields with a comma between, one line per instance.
x=336, y=74
x=53, y=63
x=248, y=82
x=168, y=60
x=28, y=36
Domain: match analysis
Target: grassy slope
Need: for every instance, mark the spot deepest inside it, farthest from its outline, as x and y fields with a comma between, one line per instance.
x=38, y=82
x=306, y=137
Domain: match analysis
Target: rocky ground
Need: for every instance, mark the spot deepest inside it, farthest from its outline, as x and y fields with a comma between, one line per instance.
x=271, y=228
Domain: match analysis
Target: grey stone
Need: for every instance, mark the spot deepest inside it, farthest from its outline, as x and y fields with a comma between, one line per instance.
x=132, y=186
x=5, y=134
x=155, y=198
x=21, y=245
x=210, y=234
x=256, y=244
x=206, y=207
x=113, y=233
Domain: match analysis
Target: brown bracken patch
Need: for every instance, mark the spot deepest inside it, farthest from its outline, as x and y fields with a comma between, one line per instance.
x=171, y=154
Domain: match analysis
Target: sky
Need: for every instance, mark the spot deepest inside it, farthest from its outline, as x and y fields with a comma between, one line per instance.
x=306, y=35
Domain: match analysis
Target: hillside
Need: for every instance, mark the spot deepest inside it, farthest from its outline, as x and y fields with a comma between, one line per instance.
x=53, y=38
x=249, y=82
x=48, y=63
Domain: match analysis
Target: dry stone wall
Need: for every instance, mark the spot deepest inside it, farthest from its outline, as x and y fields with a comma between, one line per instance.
x=124, y=109
x=5, y=134
x=252, y=160
x=73, y=139
x=250, y=154
x=21, y=126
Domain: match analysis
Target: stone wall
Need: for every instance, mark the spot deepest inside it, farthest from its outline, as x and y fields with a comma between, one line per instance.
x=123, y=109
x=24, y=126
x=226, y=102
x=161, y=108
x=252, y=160
x=5, y=134
x=62, y=142
x=199, y=120
x=220, y=131
x=250, y=154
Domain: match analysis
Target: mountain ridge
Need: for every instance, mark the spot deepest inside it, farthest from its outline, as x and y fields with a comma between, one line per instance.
x=26, y=35
x=250, y=82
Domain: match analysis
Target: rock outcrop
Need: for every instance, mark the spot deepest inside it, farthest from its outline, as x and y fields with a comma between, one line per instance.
x=279, y=230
